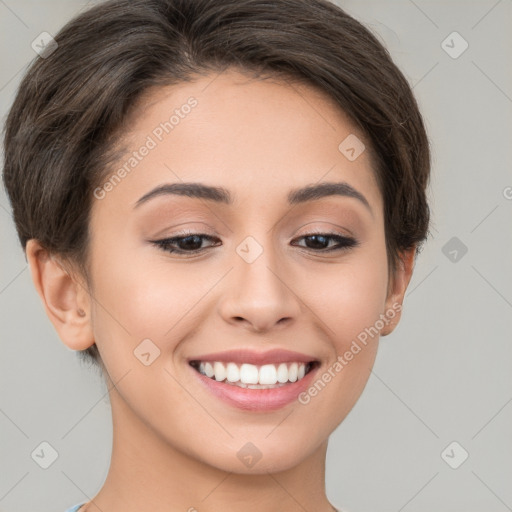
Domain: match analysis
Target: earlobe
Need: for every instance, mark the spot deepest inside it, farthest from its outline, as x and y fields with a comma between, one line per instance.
x=397, y=287
x=66, y=302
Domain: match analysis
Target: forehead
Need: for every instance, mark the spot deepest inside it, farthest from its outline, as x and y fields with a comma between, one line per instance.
x=257, y=137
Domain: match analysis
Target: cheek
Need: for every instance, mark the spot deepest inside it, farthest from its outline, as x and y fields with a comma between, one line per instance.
x=137, y=301
x=350, y=298
x=146, y=299
x=349, y=303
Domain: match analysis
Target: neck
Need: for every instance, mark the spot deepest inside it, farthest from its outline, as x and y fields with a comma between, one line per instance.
x=146, y=472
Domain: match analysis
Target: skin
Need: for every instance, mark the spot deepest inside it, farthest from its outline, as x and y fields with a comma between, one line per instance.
x=175, y=445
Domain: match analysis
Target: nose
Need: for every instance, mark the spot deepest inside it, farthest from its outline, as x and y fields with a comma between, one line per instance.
x=260, y=295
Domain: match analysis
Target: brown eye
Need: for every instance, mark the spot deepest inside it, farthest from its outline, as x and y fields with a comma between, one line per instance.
x=191, y=243
x=320, y=242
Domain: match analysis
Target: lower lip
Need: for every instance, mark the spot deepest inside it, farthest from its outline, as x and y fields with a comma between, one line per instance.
x=257, y=399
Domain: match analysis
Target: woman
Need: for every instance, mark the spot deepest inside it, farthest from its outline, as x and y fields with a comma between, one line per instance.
x=221, y=203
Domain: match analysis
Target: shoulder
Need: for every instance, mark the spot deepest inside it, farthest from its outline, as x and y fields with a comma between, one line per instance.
x=339, y=509
x=74, y=508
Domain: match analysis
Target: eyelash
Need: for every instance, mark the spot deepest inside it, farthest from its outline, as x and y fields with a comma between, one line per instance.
x=165, y=244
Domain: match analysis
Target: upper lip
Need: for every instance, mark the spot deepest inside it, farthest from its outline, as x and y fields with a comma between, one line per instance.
x=245, y=355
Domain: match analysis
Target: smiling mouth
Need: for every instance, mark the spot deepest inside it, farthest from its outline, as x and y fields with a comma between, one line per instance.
x=252, y=376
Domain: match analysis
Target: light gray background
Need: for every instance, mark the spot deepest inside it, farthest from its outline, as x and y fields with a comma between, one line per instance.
x=444, y=375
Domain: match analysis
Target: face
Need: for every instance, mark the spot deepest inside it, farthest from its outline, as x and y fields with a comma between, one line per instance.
x=247, y=263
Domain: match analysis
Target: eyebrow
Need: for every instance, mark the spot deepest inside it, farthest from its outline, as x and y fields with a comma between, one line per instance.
x=222, y=195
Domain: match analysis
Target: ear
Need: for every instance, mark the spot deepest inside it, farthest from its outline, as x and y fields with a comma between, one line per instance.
x=397, y=287
x=66, y=301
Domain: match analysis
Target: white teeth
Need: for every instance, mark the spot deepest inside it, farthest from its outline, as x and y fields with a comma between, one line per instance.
x=252, y=376
x=208, y=370
x=282, y=373
x=233, y=373
x=220, y=371
x=249, y=374
x=255, y=386
x=268, y=374
x=292, y=372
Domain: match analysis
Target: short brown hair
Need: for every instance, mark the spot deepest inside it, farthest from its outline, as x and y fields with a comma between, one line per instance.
x=71, y=105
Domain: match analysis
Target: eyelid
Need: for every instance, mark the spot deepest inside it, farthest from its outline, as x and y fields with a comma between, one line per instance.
x=321, y=231
x=345, y=231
